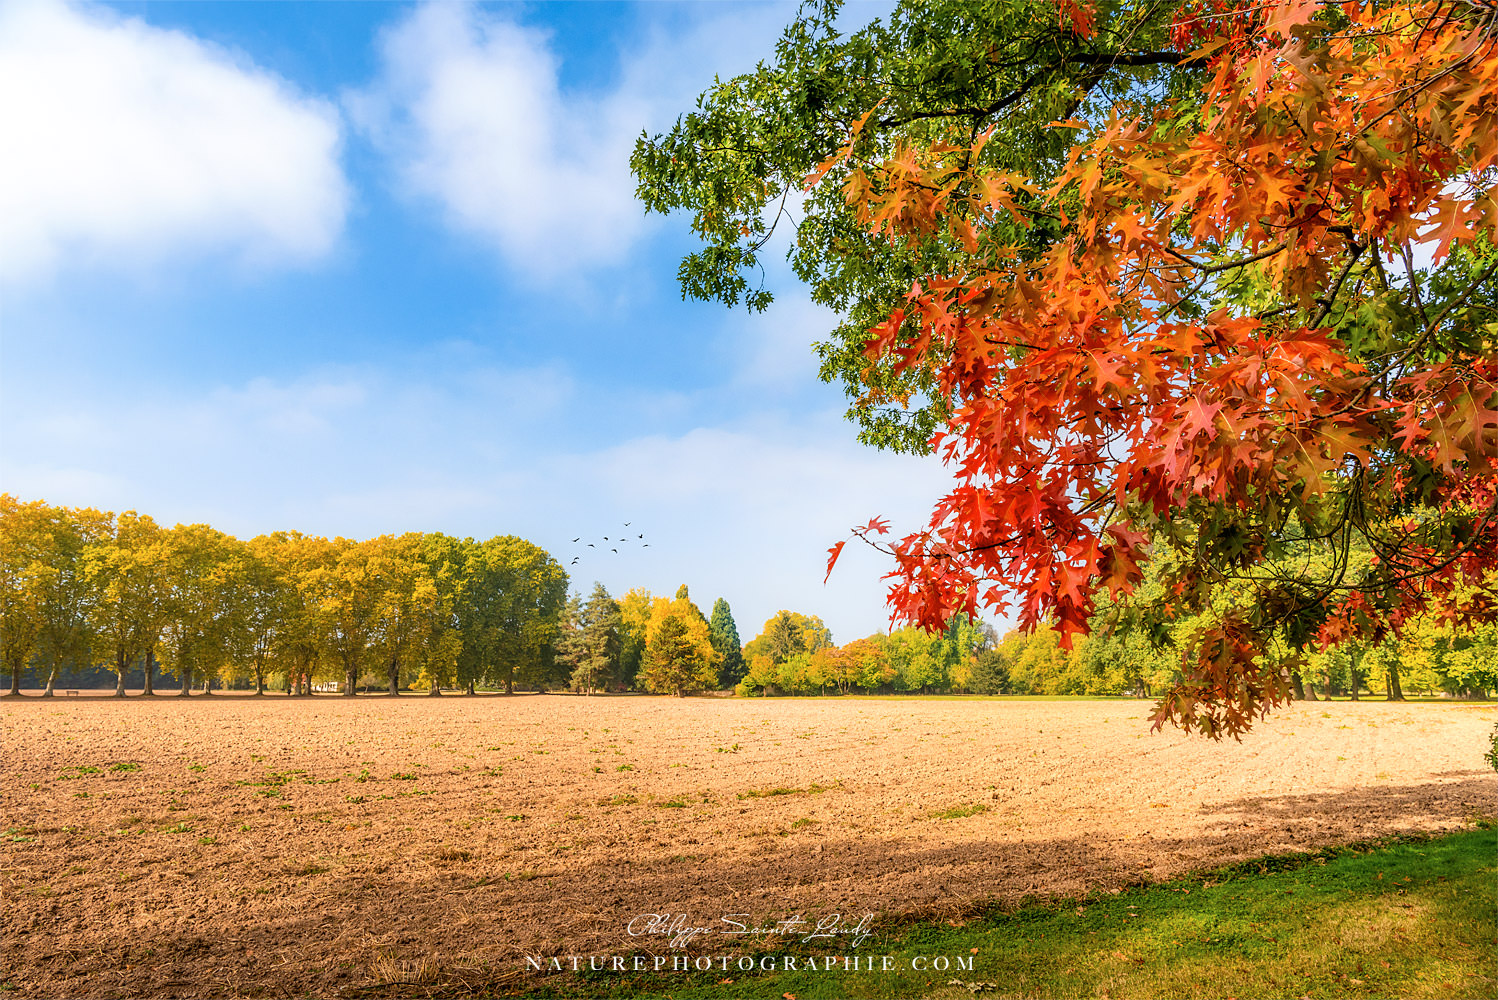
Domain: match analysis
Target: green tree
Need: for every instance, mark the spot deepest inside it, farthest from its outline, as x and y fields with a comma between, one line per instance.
x=990, y=673
x=725, y=635
x=675, y=660
x=593, y=644
x=510, y=613
x=787, y=634
x=930, y=69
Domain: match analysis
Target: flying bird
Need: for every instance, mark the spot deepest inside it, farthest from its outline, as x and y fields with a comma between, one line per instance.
x=590, y=545
x=641, y=536
x=578, y=538
x=574, y=560
x=613, y=550
x=626, y=524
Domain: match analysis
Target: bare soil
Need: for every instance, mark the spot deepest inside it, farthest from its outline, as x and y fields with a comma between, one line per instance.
x=233, y=845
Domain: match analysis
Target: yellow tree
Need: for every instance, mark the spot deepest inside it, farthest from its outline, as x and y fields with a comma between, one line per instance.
x=130, y=572
x=305, y=564
x=199, y=606
x=441, y=642
x=259, y=604
x=406, y=603
x=348, y=591
x=68, y=598
x=679, y=653
x=26, y=571
x=634, y=614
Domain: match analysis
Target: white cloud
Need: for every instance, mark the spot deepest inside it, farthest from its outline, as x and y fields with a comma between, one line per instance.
x=744, y=510
x=471, y=110
x=127, y=145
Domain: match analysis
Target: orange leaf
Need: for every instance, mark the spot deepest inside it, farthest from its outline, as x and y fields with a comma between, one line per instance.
x=832, y=555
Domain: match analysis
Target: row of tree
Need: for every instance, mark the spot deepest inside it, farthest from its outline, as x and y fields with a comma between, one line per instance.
x=795, y=654
x=79, y=587
x=1433, y=657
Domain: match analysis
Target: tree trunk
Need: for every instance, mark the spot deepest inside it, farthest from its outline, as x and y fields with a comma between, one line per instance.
x=395, y=675
x=1311, y=691
x=260, y=679
x=470, y=687
x=119, y=668
x=350, y=680
x=15, y=680
x=186, y=680
x=51, y=683
x=1297, y=687
x=1396, y=693
x=148, y=688
x=510, y=684
x=435, y=692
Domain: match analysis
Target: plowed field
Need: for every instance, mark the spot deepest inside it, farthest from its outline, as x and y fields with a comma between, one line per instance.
x=235, y=845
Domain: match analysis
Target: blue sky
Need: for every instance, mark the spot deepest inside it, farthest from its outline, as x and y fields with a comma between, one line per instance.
x=355, y=268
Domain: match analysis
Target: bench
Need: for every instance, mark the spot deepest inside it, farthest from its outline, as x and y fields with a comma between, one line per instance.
x=71, y=694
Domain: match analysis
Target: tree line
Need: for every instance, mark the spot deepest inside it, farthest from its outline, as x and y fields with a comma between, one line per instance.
x=81, y=587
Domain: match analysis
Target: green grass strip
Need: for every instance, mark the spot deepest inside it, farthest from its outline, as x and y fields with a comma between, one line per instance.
x=1413, y=918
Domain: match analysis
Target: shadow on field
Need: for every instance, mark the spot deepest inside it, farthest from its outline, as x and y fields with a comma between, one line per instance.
x=1449, y=800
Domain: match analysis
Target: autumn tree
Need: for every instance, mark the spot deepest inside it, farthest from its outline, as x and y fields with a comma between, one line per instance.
x=129, y=572
x=405, y=602
x=294, y=629
x=675, y=661
x=787, y=634
x=686, y=660
x=441, y=643
x=348, y=590
x=68, y=598
x=26, y=558
x=260, y=609
x=199, y=613
x=1208, y=278
x=634, y=613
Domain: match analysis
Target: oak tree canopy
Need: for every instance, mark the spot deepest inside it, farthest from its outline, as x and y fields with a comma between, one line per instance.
x=1209, y=285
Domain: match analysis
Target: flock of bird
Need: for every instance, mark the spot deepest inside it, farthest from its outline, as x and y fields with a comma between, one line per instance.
x=612, y=544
